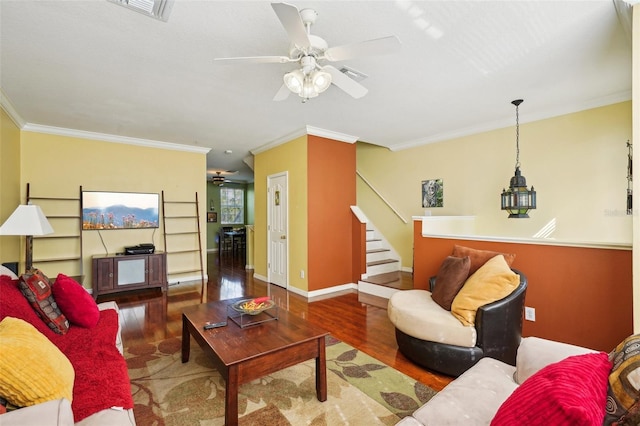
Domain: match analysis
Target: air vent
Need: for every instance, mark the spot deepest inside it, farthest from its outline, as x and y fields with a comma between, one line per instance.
x=158, y=9
x=353, y=74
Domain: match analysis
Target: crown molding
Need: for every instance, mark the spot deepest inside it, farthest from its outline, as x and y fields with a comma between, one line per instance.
x=61, y=131
x=330, y=134
x=6, y=105
x=549, y=113
x=307, y=130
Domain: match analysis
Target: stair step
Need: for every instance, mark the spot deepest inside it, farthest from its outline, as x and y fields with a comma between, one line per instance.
x=385, y=278
x=382, y=262
x=389, y=280
x=378, y=250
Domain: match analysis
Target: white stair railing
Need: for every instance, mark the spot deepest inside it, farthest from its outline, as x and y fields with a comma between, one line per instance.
x=393, y=209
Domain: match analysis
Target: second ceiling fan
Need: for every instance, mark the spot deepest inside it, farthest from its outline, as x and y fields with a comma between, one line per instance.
x=309, y=50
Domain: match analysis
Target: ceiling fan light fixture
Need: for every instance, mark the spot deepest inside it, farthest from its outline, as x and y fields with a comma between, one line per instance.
x=294, y=81
x=308, y=89
x=321, y=80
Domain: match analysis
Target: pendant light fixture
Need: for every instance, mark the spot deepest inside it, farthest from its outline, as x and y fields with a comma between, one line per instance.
x=518, y=200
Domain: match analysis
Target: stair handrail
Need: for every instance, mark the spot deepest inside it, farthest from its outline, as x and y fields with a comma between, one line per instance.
x=381, y=197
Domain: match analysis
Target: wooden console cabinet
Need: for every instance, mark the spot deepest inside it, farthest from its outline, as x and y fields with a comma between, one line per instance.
x=116, y=273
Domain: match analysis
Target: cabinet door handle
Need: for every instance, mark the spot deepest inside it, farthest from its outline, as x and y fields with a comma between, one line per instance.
x=110, y=274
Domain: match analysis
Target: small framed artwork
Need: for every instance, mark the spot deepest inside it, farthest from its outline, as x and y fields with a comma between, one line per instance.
x=212, y=217
x=432, y=193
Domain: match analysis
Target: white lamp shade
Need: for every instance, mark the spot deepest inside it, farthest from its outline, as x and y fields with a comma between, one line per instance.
x=27, y=219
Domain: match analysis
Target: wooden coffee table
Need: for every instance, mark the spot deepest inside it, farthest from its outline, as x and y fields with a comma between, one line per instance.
x=245, y=354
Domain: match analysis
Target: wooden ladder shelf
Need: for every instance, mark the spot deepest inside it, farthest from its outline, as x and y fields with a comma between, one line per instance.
x=177, y=219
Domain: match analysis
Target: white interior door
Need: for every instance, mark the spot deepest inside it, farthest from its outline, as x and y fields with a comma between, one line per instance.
x=277, y=228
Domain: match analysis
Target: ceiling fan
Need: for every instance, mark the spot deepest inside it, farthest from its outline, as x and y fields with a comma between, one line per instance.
x=219, y=179
x=309, y=50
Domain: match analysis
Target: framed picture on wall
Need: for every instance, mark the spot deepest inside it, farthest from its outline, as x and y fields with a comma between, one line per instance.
x=212, y=217
x=432, y=193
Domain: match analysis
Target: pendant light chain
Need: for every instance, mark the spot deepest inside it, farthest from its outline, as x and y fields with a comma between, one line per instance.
x=517, y=135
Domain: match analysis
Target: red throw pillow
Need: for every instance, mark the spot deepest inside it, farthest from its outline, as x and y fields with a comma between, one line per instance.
x=35, y=286
x=570, y=392
x=75, y=302
x=480, y=257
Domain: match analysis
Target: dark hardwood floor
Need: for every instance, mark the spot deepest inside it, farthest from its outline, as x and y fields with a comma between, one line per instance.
x=150, y=315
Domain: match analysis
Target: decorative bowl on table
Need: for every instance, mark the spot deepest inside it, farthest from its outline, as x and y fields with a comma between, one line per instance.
x=253, y=306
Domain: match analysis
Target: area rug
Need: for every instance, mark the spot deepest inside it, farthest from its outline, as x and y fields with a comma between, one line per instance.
x=361, y=390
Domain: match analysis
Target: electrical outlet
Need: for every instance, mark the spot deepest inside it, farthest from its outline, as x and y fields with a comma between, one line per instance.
x=301, y=273
x=529, y=313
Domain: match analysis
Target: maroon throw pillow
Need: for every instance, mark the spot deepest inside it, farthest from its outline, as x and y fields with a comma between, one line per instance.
x=450, y=279
x=480, y=257
x=35, y=286
x=570, y=392
x=75, y=302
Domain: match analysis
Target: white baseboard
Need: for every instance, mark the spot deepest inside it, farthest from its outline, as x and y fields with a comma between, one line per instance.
x=324, y=291
x=376, y=290
x=260, y=277
x=187, y=279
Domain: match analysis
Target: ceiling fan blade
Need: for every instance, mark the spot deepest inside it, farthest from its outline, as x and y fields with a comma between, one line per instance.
x=290, y=19
x=378, y=46
x=282, y=94
x=350, y=86
x=257, y=59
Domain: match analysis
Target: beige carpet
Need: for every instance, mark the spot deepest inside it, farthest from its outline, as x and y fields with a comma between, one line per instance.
x=361, y=390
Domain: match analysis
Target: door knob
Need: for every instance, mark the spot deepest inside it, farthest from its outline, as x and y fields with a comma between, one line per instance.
x=283, y=237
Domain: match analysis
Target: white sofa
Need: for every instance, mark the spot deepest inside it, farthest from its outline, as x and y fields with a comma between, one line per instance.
x=58, y=412
x=475, y=397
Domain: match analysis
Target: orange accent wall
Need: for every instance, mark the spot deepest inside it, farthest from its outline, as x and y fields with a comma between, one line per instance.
x=331, y=174
x=582, y=296
x=358, y=249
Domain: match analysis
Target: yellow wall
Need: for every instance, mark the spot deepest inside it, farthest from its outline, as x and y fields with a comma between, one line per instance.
x=290, y=157
x=9, y=183
x=636, y=183
x=576, y=162
x=56, y=166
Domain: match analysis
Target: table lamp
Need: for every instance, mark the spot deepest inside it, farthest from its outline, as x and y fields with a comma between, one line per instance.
x=27, y=220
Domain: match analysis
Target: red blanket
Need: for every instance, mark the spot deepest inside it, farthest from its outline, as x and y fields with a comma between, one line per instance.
x=101, y=379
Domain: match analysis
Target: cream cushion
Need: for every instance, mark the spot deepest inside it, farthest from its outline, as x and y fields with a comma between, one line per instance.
x=415, y=313
x=471, y=399
x=493, y=281
x=6, y=271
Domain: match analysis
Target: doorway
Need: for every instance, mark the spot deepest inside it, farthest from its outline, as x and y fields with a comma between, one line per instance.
x=277, y=229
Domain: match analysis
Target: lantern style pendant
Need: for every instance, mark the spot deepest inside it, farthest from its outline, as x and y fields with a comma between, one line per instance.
x=518, y=200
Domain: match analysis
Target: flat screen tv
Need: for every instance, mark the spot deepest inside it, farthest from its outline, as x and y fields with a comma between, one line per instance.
x=119, y=210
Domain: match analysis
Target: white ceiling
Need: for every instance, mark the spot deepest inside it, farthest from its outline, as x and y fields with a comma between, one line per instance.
x=91, y=65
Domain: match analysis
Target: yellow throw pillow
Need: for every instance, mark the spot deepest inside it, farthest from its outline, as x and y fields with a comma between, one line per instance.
x=493, y=281
x=32, y=369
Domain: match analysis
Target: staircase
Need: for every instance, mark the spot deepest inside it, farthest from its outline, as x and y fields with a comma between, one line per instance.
x=382, y=276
